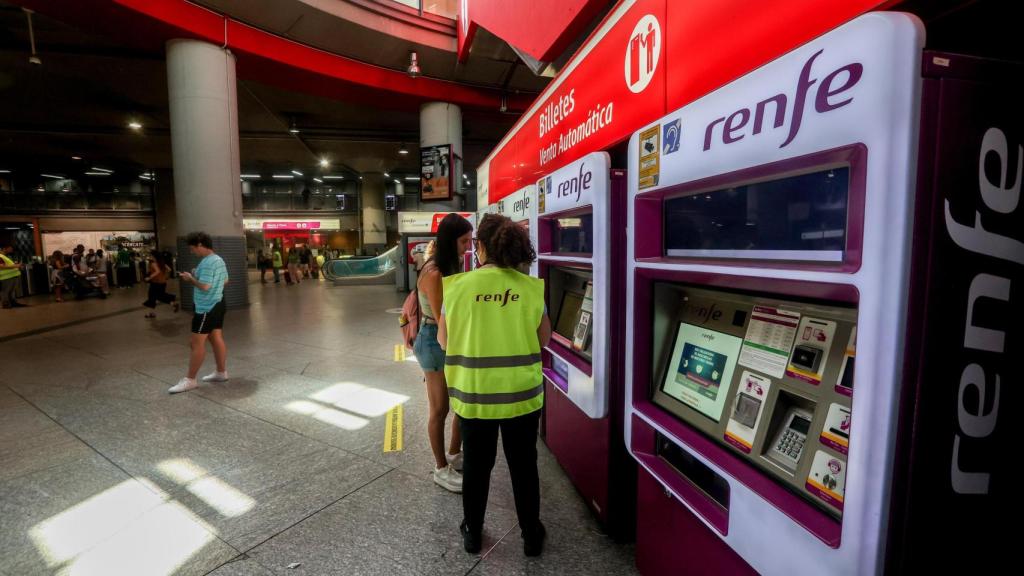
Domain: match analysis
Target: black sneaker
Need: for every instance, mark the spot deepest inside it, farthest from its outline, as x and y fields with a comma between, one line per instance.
x=533, y=541
x=470, y=539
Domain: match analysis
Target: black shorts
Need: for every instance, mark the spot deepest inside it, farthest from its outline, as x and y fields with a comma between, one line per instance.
x=206, y=322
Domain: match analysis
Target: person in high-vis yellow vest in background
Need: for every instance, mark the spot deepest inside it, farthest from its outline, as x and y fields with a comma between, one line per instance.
x=493, y=325
x=10, y=275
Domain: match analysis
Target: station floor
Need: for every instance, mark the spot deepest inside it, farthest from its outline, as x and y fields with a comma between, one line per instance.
x=282, y=470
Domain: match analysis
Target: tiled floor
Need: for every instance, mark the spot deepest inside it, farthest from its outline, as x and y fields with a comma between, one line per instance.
x=102, y=472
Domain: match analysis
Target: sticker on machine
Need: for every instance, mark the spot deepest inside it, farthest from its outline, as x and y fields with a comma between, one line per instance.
x=836, y=433
x=810, y=354
x=702, y=362
x=650, y=150
x=769, y=339
x=844, y=385
x=827, y=479
x=747, y=407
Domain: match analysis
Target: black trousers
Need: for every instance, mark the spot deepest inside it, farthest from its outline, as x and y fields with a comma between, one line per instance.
x=158, y=293
x=480, y=447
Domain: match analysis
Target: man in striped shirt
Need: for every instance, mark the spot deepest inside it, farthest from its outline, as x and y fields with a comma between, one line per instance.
x=209, y=279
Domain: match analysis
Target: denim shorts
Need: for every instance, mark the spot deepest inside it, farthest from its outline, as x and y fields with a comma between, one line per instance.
x=428, y=352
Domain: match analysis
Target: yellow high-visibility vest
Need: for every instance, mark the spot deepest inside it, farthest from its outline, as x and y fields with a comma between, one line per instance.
x=8, y=273
x=493, y=362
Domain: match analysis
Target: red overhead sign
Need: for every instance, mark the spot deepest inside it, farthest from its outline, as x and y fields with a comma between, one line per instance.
x=647, y=58
x=616, y=83
x=438, y=216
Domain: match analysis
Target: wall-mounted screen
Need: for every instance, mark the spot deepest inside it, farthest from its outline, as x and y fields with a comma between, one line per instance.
x=573, y=234
x=798, y=217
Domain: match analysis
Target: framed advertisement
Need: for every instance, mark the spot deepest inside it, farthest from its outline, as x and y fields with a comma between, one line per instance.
x=436, y=167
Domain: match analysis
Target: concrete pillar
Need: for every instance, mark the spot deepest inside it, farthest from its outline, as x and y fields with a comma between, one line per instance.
x=441, y=123
x=374, y=187
x=166, y=211
x=204, y=140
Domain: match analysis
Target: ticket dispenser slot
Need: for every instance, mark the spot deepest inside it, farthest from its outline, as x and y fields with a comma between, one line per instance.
x=703, y=478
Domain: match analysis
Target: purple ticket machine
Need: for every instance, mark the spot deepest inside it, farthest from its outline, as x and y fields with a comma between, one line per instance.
x=580, y=231
x=842, y=204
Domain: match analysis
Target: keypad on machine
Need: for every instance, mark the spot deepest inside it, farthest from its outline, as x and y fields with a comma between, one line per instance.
x=790, y=444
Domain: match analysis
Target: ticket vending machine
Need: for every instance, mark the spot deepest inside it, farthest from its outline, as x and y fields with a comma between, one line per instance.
x=579, y=231
x=808, y=217
x=521, y=207
x=417, y=229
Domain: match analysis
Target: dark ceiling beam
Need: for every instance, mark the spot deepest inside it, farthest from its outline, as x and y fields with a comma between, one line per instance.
x=312, y=134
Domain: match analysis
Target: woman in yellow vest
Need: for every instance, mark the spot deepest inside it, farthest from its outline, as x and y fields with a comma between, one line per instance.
x=492, y=326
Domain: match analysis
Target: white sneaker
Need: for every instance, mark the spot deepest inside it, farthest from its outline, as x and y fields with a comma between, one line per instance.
x=455, y=460
x=183, y=385
x=448, y=479
x=216, y=377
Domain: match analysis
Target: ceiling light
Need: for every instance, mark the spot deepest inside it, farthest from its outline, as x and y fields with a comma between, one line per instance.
x=403, y=150
x=397, y=181
x=76, y=157
x=414, y=68
x=97, y=173
x=296, y=172
x=135, y=125
x=334, y=177
x=294, y=129
x=283, y=176
x=52, y=176
x=250, y=175
x=97, y=169
x=386, y=175
x=318, y=180
x=360, y=177
x=5, y=171
x=324, y=163
x=412, y=178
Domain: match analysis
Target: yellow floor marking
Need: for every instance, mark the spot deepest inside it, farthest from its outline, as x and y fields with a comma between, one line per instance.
x=393, y=430
x=399, y=353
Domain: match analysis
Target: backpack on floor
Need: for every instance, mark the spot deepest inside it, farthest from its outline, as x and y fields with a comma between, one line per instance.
x=409, y=320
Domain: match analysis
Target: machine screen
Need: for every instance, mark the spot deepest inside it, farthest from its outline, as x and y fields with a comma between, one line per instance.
x=701, y=368
x=574, y=234
x=799, y=217
x=801, y=425
x=565, y=325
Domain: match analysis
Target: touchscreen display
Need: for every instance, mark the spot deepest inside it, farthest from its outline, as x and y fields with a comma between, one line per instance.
x=701, y=368
x=565, y=325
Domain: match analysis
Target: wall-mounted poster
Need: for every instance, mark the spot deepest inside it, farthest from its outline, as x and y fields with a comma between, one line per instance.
x=436, y=165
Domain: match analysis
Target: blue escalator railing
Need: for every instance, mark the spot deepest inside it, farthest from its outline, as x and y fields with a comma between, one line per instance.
x=355, y=267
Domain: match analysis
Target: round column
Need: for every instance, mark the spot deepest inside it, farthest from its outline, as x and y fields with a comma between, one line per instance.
x=204, y=140
x=441, y=123
x=375, y=236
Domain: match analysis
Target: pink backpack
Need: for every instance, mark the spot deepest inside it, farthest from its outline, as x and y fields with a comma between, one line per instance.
x=409, y=321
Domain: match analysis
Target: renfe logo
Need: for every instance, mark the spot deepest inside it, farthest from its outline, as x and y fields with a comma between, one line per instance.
x=642, y=53
x=825, y=100
x=505, y=298
x=979, y=381
x=576, y=184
